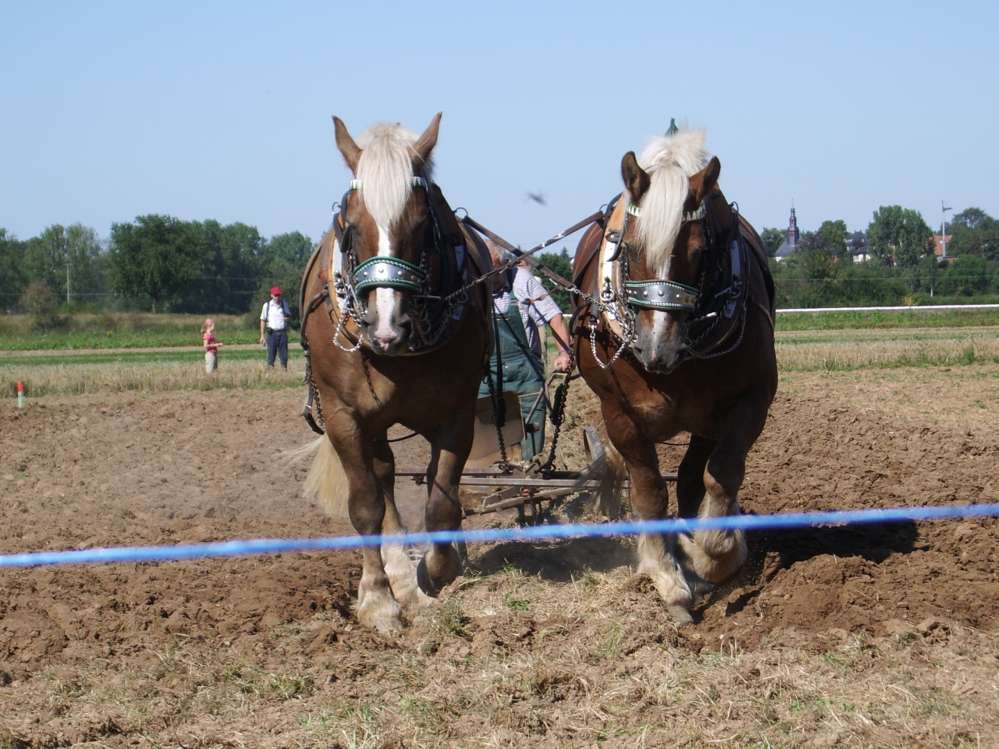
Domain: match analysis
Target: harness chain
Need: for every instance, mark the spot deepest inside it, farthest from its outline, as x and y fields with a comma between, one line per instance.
x=558, y=416
x=499, y=405
x=609, y=301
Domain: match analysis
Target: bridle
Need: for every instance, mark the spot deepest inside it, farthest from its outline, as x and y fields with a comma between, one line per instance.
x=709, y=311
x=659, y=294
x=432, y=313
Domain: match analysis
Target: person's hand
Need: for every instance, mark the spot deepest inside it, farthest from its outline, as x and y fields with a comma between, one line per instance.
x=563, y=362
x=263, y=340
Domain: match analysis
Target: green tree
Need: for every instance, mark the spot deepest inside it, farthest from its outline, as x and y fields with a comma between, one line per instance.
x=39, y=301
x=970, y=218
x=13, y=275
x=284, y=258
x=69, y=260
x=833, y=237
x=772, y=239
x=966, y=275
x=156, y=257
x=898, y=236
x=45, y=258
x=560, y=263
x=230, y=258
x=974, y=232
x=87, y=265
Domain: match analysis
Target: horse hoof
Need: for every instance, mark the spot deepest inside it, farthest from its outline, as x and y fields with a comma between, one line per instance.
x=423, y=579
x=433, y=574
x=383, y=616
x=717, y=544
x=714, y=559
x=680, y=616
x=415, y=598
x=700, y=587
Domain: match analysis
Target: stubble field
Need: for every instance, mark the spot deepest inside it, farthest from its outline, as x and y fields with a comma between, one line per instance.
x=868, y=636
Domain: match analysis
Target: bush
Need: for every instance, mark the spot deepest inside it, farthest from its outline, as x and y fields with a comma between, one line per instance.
x=41, y=303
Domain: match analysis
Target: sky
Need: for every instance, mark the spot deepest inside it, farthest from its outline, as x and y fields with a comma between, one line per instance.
x=110, y=110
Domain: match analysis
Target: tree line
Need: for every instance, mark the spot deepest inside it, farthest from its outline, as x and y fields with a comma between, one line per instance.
x=902, y=267
x=164, y=264
x=155, y=262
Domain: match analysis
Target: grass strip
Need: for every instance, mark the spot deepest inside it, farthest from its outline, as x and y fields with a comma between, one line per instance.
x=135, y=357
x=914, y=318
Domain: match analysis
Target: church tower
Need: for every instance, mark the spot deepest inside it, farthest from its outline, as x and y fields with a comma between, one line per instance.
x=790, y=244
x=793, y=235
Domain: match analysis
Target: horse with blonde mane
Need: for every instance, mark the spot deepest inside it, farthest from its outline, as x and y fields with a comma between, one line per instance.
x=677, y=335
x=393, y=335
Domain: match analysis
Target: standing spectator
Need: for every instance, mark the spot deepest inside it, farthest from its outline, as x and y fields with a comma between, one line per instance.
x=211, y=344
x=274, y=318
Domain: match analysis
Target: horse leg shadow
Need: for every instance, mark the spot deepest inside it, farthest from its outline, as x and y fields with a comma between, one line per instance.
x=557, y=561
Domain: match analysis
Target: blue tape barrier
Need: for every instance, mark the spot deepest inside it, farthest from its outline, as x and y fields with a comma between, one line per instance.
x=492, y=535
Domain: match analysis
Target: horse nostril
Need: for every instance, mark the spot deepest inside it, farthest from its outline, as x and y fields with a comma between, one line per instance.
x=385, y=341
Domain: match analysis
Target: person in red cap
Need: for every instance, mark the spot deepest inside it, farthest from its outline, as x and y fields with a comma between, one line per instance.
x=274, y=318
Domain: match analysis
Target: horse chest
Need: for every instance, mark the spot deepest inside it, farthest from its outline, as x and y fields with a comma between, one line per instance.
x=664, y=418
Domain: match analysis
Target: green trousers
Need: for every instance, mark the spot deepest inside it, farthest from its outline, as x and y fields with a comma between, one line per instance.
x=522, y=374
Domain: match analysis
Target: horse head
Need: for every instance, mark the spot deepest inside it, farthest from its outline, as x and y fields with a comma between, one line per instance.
x=666, y=242
x=388, y=227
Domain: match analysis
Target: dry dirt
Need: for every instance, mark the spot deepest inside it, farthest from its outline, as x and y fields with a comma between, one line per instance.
x=875, y=635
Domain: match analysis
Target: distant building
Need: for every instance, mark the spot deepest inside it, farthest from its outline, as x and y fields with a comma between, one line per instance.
x=790, y=243
x=857, y=244
x=940, y=242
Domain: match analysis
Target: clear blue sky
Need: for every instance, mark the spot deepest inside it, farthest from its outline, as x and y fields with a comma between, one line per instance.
x=109, y=110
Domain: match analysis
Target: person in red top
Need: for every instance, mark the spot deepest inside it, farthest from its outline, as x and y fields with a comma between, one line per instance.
x=211, y=344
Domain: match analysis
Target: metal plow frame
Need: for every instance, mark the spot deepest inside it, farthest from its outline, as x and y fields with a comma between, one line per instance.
x=534, y=496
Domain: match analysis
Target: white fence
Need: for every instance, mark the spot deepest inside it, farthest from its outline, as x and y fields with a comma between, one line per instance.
x=912, y=308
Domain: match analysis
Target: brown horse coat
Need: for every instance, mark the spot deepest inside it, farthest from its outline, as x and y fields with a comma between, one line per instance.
x=363, y=393
x=723, y=402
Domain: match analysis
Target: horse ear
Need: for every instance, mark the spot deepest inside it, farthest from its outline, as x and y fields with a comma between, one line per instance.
x=426, y=142
x=635, y=178
x=350, y=150
x=705, y=180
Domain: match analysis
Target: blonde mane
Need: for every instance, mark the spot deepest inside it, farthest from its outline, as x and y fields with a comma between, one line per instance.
x=385, y=171
x=669, y=160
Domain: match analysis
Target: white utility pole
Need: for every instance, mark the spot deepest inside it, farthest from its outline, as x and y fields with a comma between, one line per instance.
x=943, y=229
x=65, y=244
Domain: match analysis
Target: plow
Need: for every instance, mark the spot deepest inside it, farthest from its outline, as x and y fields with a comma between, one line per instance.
x=495, y=481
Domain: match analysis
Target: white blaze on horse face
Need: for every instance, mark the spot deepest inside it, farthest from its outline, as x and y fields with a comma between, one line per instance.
x=607, y=251
x=659, y=320
x=385, y=299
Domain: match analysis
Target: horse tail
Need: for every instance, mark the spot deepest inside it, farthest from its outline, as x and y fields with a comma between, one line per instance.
x=326, y=482
x=609, y=468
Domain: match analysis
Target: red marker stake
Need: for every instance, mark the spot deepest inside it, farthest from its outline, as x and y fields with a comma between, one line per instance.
x=20, y=395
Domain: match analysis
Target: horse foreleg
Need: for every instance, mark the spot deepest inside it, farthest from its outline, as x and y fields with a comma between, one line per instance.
x=716, y=555
x=690, y=476
x=449, y=450
x=376, y=607
x=650, y=501
x=398, y=566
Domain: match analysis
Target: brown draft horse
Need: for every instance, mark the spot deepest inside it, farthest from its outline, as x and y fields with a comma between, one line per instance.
x=678, y=336
x=393, y=338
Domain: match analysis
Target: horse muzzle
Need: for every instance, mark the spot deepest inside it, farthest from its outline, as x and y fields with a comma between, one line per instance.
x=388, y=324
x=660, y=353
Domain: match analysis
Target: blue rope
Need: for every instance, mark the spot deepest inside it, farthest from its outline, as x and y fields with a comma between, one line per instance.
x=492, y=535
